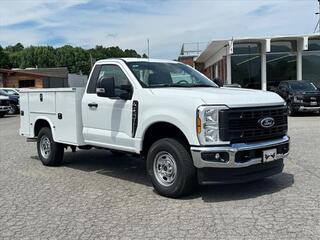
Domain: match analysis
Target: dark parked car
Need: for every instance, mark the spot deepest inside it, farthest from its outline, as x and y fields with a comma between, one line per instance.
x=14, y=106
x=301, y=96
x=4, y=105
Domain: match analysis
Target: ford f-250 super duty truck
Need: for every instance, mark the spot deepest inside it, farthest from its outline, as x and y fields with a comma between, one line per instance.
x=187, y=128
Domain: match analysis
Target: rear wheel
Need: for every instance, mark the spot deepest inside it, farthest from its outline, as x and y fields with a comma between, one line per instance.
x=50, y=152
x=171, y=168
x=2, y=114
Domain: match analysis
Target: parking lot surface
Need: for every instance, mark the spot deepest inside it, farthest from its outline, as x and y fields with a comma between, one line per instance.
x=97, y=196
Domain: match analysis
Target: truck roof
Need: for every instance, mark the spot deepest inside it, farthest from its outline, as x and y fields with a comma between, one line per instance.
x=135, y=60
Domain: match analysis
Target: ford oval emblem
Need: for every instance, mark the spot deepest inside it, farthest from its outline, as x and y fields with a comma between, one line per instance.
x=267, y=122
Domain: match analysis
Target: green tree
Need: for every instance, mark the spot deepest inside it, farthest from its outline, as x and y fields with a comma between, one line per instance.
x=16, y=48
x=76, y=59
x=4, y=59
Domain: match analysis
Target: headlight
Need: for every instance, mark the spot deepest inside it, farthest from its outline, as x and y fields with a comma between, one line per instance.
x=298, y=99
x=208, y=124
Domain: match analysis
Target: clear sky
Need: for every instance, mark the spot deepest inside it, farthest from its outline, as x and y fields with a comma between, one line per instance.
x=167, y=23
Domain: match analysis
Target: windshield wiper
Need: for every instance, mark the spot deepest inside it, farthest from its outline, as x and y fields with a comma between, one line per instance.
x=169, y=85
x=202, y=85
x=180, y=85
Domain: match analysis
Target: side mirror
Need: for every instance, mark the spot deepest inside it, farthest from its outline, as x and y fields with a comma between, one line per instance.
x=218, y=82
x=105, y=87
x=126, y=95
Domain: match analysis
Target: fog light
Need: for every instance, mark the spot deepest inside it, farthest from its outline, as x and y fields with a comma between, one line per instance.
x=221, y=157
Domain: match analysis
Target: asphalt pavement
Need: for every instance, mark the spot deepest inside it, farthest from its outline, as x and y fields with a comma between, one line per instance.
x=95, y=195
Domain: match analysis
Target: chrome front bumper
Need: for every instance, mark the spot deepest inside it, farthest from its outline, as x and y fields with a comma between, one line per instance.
x=4, y=108
x=307, y=109
x=232, y=150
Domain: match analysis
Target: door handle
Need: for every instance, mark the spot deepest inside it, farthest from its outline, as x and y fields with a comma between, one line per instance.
x=93, y=105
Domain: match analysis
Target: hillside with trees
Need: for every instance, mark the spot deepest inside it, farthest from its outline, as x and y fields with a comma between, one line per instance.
x=76, y=59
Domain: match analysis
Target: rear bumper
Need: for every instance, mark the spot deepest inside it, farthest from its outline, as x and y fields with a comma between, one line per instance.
x=241, y=162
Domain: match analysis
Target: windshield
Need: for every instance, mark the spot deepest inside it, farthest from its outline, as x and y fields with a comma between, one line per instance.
x=302, y=86
x=155, y=75
x=11, y=92
x=3, y=93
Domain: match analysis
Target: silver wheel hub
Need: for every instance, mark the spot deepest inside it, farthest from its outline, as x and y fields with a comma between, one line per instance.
x=165, y=168
x=45, y=147
x=11, y=109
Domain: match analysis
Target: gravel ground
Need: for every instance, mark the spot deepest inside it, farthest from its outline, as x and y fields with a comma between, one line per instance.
x=97, y=196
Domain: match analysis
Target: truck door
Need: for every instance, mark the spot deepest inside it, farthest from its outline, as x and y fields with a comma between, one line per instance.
x=108, y=121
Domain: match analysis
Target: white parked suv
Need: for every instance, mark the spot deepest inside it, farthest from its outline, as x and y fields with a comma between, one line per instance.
x=187, y=128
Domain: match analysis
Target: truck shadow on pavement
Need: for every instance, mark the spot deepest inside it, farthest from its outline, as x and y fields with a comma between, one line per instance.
x=241, y=191
x=133, y=169
x=103, y=162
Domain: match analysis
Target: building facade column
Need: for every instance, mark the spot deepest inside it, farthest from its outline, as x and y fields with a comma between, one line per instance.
x=302, y=45
x=216, y=70
x=229, y=72
x=299, y=64
x=264, y=65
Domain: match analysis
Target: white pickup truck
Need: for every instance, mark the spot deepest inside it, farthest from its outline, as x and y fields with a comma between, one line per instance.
x=187, y=128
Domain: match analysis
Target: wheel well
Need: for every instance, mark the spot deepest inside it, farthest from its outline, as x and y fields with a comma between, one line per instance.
x=162, y=130
x=40, y=124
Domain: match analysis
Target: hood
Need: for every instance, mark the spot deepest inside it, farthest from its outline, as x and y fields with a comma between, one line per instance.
x=13, y=97
x=232, y=97
x=4, y=97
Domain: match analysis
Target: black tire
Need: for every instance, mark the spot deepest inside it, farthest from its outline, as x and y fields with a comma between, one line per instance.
x=2, y=114
x=55, y=155
x=185, y=177
x=291, y=111
x=12, y=109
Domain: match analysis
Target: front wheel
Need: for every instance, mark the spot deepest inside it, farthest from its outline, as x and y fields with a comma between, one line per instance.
x=171, y=168
x=50, y=152
x=291, y=111
x=12, y=109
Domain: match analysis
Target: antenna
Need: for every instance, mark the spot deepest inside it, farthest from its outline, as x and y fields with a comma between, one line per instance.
x=318, y=23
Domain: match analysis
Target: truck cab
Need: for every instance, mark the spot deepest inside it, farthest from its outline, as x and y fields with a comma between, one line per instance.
x=186, y=128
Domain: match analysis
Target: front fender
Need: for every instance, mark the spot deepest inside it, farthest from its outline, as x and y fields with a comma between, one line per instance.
x=187, y=127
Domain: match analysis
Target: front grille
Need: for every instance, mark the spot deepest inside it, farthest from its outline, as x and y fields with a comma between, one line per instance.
x=308, y=98
x=4, y=102
x=243, y=124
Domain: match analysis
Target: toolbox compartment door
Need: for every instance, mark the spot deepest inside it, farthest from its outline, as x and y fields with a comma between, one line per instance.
x=24, y=115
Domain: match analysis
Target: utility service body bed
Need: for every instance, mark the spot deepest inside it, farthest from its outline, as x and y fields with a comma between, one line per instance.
x=60, y=107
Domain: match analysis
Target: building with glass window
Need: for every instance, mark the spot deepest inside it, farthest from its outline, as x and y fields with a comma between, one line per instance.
x=260, y=63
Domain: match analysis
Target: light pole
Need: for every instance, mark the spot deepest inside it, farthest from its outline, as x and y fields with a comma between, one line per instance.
x=318, y=24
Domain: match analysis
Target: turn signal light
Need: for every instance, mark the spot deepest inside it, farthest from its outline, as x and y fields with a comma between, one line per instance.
x=198, y=124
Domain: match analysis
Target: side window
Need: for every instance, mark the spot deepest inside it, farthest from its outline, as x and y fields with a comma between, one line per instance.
x=114, y=71
x=93, y=80
x=282, y=86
